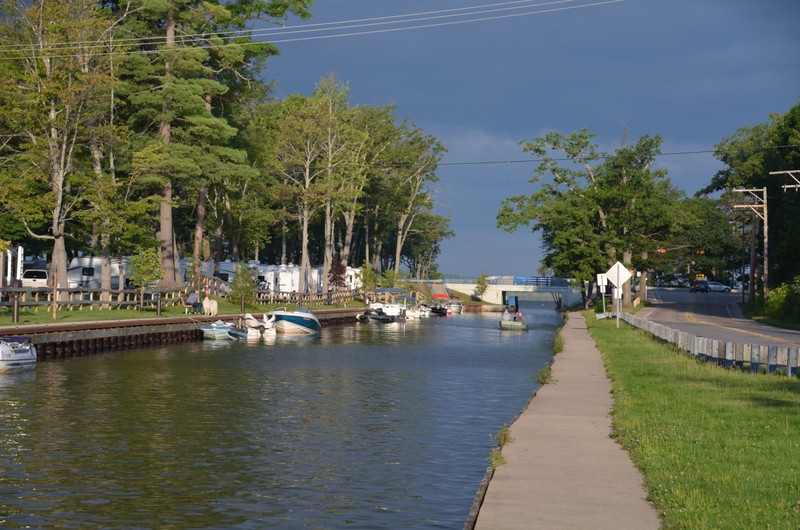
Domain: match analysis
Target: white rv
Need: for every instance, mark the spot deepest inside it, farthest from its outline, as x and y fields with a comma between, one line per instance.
x=206, y=267
x=85, y=272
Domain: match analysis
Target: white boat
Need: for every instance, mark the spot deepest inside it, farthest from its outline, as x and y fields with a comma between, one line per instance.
x=17, y=354
x=258, y=328
x=413, y=313
x=299, y=321
x=396, y=311
x=455, y=307
x=220, y=330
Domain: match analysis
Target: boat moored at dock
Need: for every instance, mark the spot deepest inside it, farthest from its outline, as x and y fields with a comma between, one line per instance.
x=300, y=321
x=17, y=354
x=220, y=330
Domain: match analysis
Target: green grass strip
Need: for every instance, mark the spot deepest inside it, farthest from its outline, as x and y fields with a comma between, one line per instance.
x=63, y=315
x=719, y=448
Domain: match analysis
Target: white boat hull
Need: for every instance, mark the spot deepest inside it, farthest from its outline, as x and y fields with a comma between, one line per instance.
x=17, y=355
x=295, y=322
x=221, y=331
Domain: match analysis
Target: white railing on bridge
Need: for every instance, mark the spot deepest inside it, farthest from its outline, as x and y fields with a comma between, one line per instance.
x=541, y=281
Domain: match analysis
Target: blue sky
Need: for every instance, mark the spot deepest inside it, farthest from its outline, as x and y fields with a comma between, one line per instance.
x=691, y=71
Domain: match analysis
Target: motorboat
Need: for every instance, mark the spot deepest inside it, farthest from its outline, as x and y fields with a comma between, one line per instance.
x=379, y=311
x=513, y=321
x=17, y=354
x=455, y=306
x=375, y=315
x=513, y=325
x=257, y=328
x=391, y=301
x=439, y=309
x=412, y=309
x=220, y=330
x=300, y=321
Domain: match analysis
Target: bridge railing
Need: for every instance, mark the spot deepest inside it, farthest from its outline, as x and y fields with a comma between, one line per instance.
x=540, y=281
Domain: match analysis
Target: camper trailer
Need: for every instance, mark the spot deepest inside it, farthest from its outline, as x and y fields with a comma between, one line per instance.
x=206, y=267
x=85, y=271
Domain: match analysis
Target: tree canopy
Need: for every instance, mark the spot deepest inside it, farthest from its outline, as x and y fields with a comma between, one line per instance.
x=594, y=209
x=148, y=122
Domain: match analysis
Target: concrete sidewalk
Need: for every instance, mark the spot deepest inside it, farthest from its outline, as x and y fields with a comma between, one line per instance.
x=563, y=470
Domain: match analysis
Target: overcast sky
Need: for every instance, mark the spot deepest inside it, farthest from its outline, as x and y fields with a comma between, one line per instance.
x=691, y=71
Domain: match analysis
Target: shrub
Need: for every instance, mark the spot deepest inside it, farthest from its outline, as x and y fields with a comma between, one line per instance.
x=783, y=302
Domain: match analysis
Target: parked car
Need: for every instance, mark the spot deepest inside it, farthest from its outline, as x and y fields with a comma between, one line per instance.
x=699, y=286
x=716, y=286
x=34, y=278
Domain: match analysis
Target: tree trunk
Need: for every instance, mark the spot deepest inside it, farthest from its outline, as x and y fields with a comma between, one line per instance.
x=328, y=254
x=305, y=263
x=349, y=228
x=627, y=300
x=58, y=265
x=166, y=232
x=199, y=236
x=167, y=250
x=283, y=241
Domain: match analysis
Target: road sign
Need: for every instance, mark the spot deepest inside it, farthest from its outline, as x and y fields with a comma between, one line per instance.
x=618, y=274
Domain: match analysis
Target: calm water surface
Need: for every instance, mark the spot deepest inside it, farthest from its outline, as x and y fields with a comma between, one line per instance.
x=366, y=426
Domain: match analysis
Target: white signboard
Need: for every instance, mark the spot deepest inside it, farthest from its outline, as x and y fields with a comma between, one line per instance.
x=618, y=274
x=601, y=281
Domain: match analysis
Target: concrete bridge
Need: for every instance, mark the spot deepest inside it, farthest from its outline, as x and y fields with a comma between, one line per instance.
x=538, y=288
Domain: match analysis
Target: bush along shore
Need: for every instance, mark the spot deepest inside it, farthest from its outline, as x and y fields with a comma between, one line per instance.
x=717, y=447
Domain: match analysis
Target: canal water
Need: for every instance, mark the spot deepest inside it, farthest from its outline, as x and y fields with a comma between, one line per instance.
x=366, y=426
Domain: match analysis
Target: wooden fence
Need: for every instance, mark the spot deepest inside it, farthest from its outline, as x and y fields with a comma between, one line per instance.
x=85, y=298
x=755, y=357
x=90, y=299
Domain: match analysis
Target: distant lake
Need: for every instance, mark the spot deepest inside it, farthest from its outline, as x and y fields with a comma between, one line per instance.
x=366, y=426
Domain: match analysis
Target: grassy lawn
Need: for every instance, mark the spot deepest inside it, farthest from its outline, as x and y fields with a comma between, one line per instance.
x=43, y=316
x=718, y=448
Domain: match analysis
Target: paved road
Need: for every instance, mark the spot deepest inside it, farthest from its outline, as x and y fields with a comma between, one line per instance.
x=712, y=315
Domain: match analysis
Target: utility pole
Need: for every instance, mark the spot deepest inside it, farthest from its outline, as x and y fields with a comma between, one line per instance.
x=794, y=174
x=758, y=205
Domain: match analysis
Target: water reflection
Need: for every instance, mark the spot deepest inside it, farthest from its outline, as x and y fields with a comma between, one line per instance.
x=366, y=425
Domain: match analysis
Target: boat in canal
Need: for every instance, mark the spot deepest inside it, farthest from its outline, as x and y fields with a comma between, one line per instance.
x=513, y=325
x=301, y=321
x=220, y=330
x=17, y=354
x=257, y=328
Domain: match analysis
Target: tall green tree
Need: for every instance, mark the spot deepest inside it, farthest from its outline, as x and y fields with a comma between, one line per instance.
x=415, y=159
x=301, y=144
x=54, y=84
x=597, y=209
x=187, y=62
x=338, y=142
x=375, y=133
x=750, y=155
x=423, y=244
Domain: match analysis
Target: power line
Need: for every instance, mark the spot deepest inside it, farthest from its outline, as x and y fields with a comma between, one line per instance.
x=604, y=157
x=421, y=20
